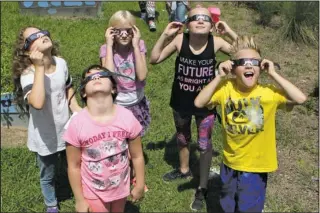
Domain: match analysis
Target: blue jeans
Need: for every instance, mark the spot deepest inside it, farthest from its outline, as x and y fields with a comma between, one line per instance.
x=52, y=167
x=242, y=191
x=179, y=13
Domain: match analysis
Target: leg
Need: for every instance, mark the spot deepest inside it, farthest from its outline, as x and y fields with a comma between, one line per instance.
x=118, y=205
x=252, y=191
x=151, y=13
x=183, y=127
x=63, y=188
x=143, y=10
x=98, y=205
x=204, y=126
x=229, y=187
x=180, y=12
x=47, y=165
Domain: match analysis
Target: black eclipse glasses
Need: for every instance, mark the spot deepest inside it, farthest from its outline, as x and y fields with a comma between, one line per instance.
x=34, y=37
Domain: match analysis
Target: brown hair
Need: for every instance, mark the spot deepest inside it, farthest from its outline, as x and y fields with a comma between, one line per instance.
x=21, y=62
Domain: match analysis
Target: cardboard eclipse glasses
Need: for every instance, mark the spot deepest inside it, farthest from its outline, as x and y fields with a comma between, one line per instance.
x=34, y=37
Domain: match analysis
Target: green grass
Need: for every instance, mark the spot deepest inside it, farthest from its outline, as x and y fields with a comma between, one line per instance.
x=80, y=39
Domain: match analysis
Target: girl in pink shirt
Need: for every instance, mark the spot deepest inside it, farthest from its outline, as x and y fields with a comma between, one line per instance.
x=99, y=139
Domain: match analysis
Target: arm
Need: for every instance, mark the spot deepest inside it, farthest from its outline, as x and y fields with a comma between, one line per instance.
x=74, y=174
x=223, y=28
x=294, y=94
x=136, y=153
x=107, y=61
x=37, y=96
x=204, y=97
x=140, y=58
x=161, y=51
x=74, y=106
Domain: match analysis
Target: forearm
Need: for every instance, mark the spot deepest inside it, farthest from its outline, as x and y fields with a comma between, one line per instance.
x=138, y=166
x=232, y=35
x=158, y=48
x=37, y=95
x=140, y=65
x=74, y=106
x=206, y=93
x=75, y=182
x=293, y=93
x=108, y=60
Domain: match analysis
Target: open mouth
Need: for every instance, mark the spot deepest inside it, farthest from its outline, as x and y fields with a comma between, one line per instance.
x=249, y=75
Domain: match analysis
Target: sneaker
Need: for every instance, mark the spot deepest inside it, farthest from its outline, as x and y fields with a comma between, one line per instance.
x=175, y=174
x=143, y=16
x=152, y=26
x=52, y=209
x=199, y=199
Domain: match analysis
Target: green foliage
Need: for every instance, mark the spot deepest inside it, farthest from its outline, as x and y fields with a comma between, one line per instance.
x=300, y=20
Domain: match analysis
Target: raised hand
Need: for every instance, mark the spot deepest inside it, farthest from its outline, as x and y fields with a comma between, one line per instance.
x=109, y=35
x=222, y=27
x=225, y=68
x=37, y=57
x=172, y=28
x=268, y=66
x=136, y=36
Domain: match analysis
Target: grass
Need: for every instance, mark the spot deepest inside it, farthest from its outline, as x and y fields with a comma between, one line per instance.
x=80, y=39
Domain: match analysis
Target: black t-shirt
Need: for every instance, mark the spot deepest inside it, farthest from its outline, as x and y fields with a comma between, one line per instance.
x=192, y=73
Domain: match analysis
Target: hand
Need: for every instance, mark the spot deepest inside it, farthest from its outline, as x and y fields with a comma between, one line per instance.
x=222, y=27
x=136, y=36
x=82, y=206
x=172, y=28
x=109, y=35
x=37, y=58
x=225, y=68
x=267, y=65
x=137, y=193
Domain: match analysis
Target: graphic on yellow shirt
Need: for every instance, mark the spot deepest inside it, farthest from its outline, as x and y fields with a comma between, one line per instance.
x=244, y=116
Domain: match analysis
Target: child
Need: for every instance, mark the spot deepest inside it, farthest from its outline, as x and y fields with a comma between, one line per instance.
x=125, y=53
x=100, y=138
x=248, y=112
x=43, y=80
x=194, y=68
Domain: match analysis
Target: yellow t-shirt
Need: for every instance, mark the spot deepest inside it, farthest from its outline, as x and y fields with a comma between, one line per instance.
x=248, y=120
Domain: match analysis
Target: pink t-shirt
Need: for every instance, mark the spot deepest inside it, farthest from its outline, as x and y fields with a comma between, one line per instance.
x=129, y=92
x=105, y=171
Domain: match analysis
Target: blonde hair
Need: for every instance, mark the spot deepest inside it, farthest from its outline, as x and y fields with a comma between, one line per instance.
x=243, y=42
x=122, y=16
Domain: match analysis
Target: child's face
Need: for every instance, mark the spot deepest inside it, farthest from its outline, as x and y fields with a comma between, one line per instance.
x=124, y=33
x=203, y=25
x=42, y=41
x=97, y=84
x=247, y=75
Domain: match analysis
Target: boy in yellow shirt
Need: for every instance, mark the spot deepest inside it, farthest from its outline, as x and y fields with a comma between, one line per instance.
x=248, y=118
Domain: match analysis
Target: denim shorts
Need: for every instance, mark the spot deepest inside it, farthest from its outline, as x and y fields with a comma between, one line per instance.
x=242, y=191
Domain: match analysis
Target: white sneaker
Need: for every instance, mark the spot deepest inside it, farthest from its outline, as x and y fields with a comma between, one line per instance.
x=152, y=26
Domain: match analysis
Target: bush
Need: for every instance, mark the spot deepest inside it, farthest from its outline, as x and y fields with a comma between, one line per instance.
x=300, y=19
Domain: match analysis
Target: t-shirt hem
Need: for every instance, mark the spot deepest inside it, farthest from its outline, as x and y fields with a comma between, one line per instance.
x=109, y=199
x=246, y=169
x=46, y=153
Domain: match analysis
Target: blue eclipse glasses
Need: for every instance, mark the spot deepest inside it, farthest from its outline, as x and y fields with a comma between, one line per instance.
x=34, y=37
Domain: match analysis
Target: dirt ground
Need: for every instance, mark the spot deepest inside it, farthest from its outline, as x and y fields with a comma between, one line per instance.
x=13, y=137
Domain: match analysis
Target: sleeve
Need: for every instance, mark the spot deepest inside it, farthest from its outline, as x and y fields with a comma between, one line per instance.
x=143, y=47
x=70, y=135
x=68, y=77
x=103, y=51
x=218, y=96
x=26, y=81
x=134, y=127
x=279, y=95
